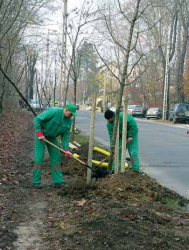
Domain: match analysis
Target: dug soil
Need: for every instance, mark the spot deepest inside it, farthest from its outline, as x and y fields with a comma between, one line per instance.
x=123, y=211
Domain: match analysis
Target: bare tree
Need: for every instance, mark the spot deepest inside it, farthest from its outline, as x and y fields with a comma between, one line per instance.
x=77, y=23
x=16, y=17
x=183, y=32
x=124, y=46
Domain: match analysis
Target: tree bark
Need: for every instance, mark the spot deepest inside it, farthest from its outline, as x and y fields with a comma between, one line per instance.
x=122, y=85
x=91, y=138
x=74, y=102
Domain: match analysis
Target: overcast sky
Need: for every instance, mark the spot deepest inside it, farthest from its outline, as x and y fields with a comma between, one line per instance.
x=55, y=19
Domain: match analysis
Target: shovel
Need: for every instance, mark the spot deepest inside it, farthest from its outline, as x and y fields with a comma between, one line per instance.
x=98, y=173
x=105, y=159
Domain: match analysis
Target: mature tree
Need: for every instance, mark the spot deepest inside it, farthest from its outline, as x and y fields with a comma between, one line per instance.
x=124, y=43
x=88, y=70
x=16, y=17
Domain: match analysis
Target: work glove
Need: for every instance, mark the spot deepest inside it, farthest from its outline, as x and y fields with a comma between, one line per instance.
x=130, y=139
x=68, y=153
x=40, y=136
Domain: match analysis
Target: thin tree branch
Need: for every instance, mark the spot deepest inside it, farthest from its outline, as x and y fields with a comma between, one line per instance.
x=134, y=66
x=139, y=76
x=16, y=88
x=122, y=12
x=106, y=64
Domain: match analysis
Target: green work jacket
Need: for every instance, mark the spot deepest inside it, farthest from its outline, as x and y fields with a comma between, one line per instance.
x=132, y=128
x=53, y=124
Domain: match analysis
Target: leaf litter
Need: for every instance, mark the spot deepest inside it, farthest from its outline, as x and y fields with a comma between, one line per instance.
x=123, y=211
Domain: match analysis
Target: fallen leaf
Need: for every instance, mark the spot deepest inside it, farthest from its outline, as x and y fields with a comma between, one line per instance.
x=81, y=203
x=90, y=209
x=4, y=178
x=134, y=205
x=157, y=213
x=62, y=225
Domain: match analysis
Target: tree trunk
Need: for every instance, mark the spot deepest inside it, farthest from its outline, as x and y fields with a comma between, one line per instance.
x=74, y=102
x=124, y=133
x=122, y=85
x=181, y=54
x=67, y=86
x=91, y=138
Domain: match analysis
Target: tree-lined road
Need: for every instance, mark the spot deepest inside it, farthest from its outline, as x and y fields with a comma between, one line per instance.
x=163, y=149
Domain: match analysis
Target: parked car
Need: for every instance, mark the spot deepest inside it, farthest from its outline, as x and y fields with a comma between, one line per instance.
x=113, y=108
x=136, y=110
x=77, y=106
x=179, y=113
x=154, y=113
x=53, y=103
x=35, y=105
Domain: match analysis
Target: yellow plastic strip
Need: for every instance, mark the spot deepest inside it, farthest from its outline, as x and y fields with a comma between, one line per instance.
x=75, y=156
x=101, y=151
x=104, y=164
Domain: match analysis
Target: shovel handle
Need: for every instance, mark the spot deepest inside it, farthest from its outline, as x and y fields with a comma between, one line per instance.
x=54, y=146
x=63, y=151
x=105, y=159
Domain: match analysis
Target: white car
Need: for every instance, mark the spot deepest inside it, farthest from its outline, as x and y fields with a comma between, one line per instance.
x=131, y=108
x=113, y=108
x=35, y=105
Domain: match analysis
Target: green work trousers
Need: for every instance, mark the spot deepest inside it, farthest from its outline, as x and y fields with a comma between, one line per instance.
x=133, y=152
x=55, y=161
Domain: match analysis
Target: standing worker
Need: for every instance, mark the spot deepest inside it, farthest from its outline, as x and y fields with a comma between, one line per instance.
x=50, y=124
x=132, y=136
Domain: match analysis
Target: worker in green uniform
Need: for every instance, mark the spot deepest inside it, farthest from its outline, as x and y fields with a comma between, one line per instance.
x=132, y=137
x=49, y=125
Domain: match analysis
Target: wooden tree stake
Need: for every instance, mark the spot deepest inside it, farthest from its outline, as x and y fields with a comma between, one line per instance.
x=116, y=165
x=124, y=133
x=91, y=138
x=116, y=154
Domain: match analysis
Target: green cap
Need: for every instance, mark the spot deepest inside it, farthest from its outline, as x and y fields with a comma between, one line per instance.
x=72, y=108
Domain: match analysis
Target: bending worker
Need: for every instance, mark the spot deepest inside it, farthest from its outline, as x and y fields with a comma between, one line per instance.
x=50, y=124
x=132, y=136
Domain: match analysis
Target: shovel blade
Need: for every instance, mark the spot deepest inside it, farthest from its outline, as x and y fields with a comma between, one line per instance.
x=100, y=173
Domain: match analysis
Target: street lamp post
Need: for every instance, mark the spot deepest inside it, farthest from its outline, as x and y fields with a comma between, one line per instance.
x=166, y=82
x=104, y=94
x=63, y=61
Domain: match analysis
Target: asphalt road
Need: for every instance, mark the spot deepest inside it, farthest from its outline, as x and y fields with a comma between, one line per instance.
x=163, y=149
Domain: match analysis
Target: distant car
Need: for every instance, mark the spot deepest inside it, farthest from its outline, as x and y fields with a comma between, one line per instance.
x=113, y=108
x=53, y=103
x=35, y=105
x=154, y=113
x=130, y=109
x=136, y=110
x=77, y=106
x=179, y=113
